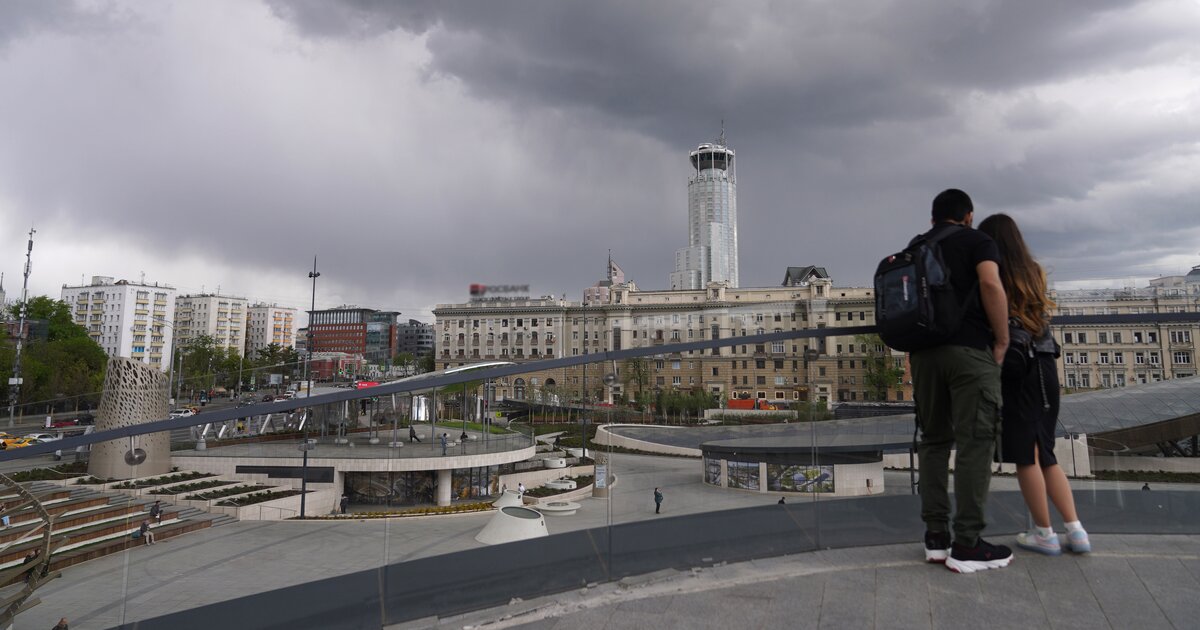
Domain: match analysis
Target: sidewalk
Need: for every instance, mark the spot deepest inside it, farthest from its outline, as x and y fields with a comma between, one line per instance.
x=1129, y=581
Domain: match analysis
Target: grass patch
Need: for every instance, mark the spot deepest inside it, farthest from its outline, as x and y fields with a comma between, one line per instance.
x=1146, y=476
x=259, y=497
x=581, y=481
x=193, y=487
x=460, y=508
x=221, y=493
x=161, y=481
x=55, y=473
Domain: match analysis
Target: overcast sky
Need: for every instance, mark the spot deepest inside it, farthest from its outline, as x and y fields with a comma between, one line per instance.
x=417, y=147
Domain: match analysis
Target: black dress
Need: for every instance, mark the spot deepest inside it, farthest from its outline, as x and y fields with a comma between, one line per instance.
x=1029, y=385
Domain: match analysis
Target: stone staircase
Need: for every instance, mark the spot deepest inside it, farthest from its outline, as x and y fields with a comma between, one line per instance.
x=90, y=523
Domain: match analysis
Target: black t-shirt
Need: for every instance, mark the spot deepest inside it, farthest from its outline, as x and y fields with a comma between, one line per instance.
x=962, y=251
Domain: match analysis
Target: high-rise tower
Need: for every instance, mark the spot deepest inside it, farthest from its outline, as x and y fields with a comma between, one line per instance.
x=712, y=251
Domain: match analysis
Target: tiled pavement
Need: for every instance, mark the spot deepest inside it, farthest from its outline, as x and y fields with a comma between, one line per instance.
x=1128, y=582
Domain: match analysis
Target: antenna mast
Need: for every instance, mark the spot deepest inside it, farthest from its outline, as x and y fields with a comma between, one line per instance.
x=15, y=382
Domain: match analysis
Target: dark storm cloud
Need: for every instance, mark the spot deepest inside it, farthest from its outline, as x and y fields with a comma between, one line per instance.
x=836, y=109
x=419, y=146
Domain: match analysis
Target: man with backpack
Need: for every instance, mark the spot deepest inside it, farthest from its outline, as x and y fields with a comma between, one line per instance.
x=956, y=374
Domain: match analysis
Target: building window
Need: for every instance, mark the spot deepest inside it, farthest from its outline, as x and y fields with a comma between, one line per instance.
x=1181, y=357
x=1181, y=336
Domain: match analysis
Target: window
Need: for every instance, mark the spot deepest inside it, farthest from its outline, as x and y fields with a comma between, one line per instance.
x=1137, y=336
x=760, y=364
x=760, y=380
x=1102, y=337
x=1116, y=337
x=659, y=380
x=1154, y=359
x=777, y=347
x=1178, y=357
x=1119, y=358
x=1082, y=337
x=714, y=372
x=1139, y=358
x=675, y=364
x=1181, y=336
x=1068, y=338
x=1104, y=358
x=1152, y=336
x=1071, y=381
x=1083, y=357
x=1069, y=358
x=778, y=364
x=658, y=365
x=1085, y=380
x=780, y=381
x=675, y=380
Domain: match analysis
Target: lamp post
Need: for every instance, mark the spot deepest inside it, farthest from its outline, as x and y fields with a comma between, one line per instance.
x=305, y=447
x=314, y=274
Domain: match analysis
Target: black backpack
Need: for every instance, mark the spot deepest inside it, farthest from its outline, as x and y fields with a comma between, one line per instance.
x=915, y=304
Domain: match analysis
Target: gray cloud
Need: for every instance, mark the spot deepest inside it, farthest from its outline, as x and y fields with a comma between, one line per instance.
x=419, y=146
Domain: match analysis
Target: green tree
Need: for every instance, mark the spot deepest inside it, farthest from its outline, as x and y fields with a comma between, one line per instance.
x=57, y=315
x=65, y=369
x=881, y=372
x=405, y=361
x=426, y=363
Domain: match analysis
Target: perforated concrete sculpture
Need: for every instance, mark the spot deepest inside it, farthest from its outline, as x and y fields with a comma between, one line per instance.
x=133, y=393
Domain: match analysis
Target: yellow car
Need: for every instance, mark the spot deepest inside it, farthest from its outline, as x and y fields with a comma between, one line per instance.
x=18, y=442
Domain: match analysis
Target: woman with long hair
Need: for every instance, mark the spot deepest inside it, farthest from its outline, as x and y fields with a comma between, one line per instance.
x=1029, y=383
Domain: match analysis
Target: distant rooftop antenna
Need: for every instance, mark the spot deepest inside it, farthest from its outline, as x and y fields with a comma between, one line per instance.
x=610, y=269
x=143, y=280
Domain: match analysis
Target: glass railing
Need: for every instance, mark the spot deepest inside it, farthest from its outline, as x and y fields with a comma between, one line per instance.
x=421, y=538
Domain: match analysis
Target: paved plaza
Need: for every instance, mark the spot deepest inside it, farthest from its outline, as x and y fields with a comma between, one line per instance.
x=248, y=558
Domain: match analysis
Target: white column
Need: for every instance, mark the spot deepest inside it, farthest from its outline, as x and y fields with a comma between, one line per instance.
x=443, y=487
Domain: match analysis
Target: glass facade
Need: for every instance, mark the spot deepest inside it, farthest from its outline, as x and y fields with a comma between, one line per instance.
x=742, y=475
x=799, y=478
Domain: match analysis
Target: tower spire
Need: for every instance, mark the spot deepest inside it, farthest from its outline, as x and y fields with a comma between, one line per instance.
x=721, y=138
x=610, y=270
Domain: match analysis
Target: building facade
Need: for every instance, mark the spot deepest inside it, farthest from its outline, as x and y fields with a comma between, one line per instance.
x=415, y=338
x=221, y=317
x=546, y=328
x=712, y=251
x=268, y=324
x=367, y=332
x=127, y=319
x=1132, y=353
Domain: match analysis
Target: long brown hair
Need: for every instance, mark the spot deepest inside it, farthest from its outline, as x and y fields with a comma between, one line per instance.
x=1024, y=280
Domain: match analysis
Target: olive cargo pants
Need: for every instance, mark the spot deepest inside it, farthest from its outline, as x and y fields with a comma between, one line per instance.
x=957, y=391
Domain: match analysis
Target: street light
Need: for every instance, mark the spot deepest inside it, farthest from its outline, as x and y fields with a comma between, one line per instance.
x=314, y=274
x=305, y=446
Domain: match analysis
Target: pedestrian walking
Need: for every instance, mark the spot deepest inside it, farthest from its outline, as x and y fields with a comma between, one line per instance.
x=1029, y=384
x=61, y=625
x=412, y=435
x=445, y=441
x=156, y=512
x=658, y=499
x=521, y=490
x=344, y=503
x=956, y=387
x=5, y=519
x=1145, y=486
x=31, y=558
x=781, y=501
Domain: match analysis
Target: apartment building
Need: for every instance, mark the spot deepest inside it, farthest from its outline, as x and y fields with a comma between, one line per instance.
x=528, y=330
x=1133, y=352
x=127, y=319
x=268, y=324
x=221, y=317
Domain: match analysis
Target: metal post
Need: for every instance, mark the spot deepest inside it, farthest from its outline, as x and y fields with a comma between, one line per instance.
x=15, y=382
x=314, y=274
x=304, y=446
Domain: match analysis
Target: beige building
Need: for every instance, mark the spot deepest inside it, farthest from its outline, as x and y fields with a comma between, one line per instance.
x=1138, y=351
x=267, y=324
x=530, y=330
x=221, y=317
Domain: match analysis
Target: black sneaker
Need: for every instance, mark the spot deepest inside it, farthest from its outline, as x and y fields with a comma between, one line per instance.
x=981, y=557
x=937, y=546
